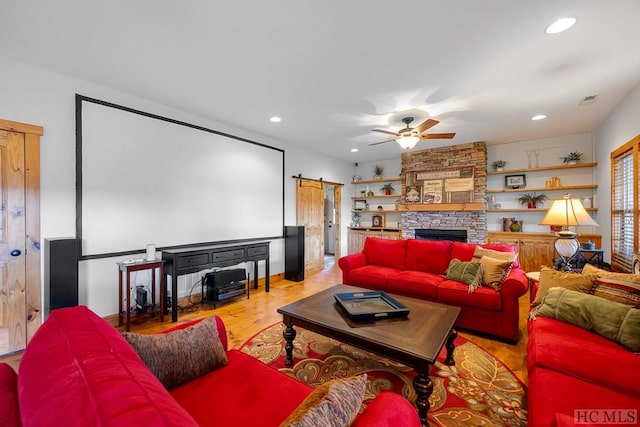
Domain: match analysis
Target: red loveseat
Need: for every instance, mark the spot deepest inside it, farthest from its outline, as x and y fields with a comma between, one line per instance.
x=417, y=268
x=78, y=370
x=571, y=369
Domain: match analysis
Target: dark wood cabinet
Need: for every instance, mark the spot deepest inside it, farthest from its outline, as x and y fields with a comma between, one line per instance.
x=197, y=258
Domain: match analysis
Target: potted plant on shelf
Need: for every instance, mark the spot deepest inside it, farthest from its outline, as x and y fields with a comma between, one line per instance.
x=387, y=189
x=531, y=200
x=572, y=158
x=378, y=170
x=498, y=165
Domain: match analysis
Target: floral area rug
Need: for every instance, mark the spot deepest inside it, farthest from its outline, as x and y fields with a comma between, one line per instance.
x=478, y=391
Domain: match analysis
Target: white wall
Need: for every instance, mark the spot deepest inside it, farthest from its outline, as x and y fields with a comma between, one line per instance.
x=36, y=96
x=622, y=125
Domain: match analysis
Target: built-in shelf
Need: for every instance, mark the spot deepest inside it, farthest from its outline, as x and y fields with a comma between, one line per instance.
x=376, y=181
x=530, y=210
x=560, y=188
x=543, y=168
x=382, y=196
x=376, y=228
x=376, y=211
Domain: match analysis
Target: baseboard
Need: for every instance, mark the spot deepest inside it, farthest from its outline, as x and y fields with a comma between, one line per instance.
x=186, y=301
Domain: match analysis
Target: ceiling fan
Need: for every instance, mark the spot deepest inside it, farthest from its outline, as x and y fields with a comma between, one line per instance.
x=409, y=136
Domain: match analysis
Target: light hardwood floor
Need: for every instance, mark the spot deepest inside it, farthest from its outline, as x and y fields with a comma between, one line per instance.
x=245, y=317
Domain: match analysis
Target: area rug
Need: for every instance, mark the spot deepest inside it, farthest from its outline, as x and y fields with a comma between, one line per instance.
x=479, y=390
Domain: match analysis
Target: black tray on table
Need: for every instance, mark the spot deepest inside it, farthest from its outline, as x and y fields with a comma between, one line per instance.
x=372, y=305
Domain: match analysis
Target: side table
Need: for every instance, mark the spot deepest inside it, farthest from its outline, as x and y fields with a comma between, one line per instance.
x=533, y=277
x=125, y=315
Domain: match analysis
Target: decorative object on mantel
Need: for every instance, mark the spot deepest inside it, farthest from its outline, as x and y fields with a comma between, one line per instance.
x=387, y=189
x=531, y=200
x=498, y=165
x=572, y=158
x=356, y=178
x=378, y=170
x=567, y=212
x=440, y=186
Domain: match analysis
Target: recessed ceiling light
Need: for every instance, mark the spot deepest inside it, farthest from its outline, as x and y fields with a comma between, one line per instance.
x=539, y=117
x=354, y=150
x=560, y=25
x=275, y=119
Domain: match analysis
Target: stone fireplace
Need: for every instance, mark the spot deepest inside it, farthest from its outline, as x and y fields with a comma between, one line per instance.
x=473, y=221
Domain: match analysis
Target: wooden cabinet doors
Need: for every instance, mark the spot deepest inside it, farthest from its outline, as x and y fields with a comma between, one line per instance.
x=20, y=313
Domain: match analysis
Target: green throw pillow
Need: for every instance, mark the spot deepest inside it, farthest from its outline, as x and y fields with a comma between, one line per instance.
x=613, y=320
x=469, y=273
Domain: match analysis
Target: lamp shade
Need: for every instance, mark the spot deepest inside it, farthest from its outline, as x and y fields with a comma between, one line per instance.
x=408, y=142
x=567, y=212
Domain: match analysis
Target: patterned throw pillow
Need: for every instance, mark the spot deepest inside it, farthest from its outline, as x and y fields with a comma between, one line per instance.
x=469, y=273
x=333, y=404
x=180, y=356
x=619, y=287
x=550, y=278
x=494, y=271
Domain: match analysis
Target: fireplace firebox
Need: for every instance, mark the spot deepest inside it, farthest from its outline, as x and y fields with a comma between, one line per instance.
x=441, y=234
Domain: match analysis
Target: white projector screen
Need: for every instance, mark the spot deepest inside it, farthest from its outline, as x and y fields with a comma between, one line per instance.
x=145, y=179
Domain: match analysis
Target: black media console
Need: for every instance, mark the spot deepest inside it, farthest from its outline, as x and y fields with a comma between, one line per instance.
x=198, y=258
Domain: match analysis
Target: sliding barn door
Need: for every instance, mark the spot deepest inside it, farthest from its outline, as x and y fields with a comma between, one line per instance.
x=19, y=234
x=310, y=213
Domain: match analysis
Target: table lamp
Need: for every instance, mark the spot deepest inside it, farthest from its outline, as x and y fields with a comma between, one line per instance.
x=567, y=212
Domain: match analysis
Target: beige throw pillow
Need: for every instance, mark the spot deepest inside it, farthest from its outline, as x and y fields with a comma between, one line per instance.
x=552, y=278
x=494, y=271
x=182, y=355
x=479, y=252
x=619, y=287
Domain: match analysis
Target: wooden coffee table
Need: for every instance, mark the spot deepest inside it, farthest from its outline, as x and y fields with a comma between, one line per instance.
x=414, y=341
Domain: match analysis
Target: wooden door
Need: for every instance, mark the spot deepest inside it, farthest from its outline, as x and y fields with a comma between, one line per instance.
x=19, y=234
x=310, y=214
x=337, y=204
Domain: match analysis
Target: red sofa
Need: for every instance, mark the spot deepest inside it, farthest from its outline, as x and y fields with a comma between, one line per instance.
x=78, y=370
x=417, y=268
x=571, y=369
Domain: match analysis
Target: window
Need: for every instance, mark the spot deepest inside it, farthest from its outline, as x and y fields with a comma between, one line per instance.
x=625, y=219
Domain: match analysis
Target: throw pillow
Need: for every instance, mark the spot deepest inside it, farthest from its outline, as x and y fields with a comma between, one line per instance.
x=613, y=320
x=180, y=356
x=550, y=278
x=619, y=287
x=469, y=273
x=479, y=252
x=494, y=271
x=333, y=404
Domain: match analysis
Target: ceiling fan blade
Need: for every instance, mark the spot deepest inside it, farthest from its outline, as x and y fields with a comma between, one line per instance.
x=382, y=142
x=427, y=124
x=386, y=131
x=438, y=135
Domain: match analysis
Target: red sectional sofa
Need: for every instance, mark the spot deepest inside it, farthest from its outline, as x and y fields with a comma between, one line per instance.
x=571, y=369
x=78, y=370
x=417, y=268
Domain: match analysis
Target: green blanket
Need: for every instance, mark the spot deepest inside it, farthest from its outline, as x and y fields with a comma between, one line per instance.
x=613, y=320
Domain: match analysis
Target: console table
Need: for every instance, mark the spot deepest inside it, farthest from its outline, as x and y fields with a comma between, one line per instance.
x=194, y=259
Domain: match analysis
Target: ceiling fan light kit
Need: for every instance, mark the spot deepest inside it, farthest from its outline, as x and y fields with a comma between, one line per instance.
x=407, y=142
x=408, y=137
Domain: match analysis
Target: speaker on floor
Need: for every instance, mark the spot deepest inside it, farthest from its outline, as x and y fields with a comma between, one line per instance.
x=294, y=253
x=60, y=273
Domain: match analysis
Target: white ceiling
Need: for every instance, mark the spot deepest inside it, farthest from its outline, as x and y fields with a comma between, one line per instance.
x=334, y=69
